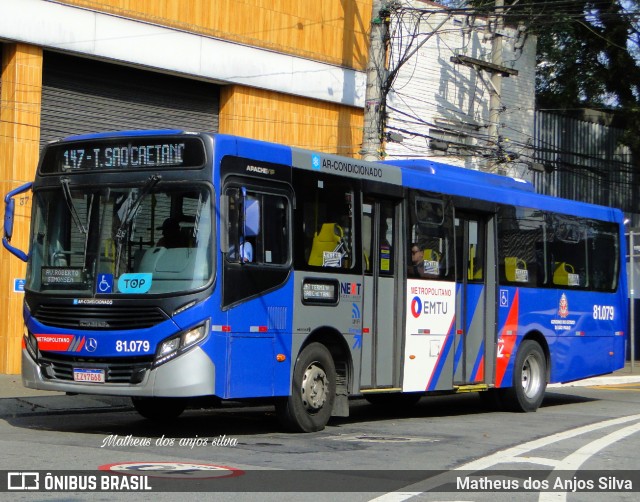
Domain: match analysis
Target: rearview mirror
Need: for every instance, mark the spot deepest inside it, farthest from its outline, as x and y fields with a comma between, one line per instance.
x=9, y=213
x=9, y=210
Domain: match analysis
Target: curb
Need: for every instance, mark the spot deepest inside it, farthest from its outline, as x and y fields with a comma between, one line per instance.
x=598, y=381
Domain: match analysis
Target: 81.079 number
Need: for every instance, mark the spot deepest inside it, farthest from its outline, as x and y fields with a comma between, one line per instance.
x=132, y=346
x=603, y=312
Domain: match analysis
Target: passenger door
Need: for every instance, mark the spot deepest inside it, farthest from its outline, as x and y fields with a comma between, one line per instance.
x=475, y=298
x=381, y=302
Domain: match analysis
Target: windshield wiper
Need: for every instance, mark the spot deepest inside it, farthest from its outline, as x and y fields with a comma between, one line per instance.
x=133, y=207
x=70, y=204
x=130, y=214
x=86, y=239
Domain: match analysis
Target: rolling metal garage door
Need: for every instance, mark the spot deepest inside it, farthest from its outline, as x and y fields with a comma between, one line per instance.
x=83, y=96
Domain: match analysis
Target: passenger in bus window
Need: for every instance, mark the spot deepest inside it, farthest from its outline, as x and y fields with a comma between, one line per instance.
x=246, y=252
x=417, y=261
x=171, y=235
x=425, y=262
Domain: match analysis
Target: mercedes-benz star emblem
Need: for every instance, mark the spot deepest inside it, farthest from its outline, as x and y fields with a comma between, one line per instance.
x=92, y=344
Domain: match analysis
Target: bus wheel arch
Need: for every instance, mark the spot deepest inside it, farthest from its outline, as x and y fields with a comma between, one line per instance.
x=539, y=338
x=530, y=375
x=320, y=383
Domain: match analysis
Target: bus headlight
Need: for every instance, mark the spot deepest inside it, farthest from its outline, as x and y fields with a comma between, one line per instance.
x=177, y=344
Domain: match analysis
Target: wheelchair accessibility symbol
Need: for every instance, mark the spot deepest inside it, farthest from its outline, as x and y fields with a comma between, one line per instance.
x=105, y=283
x=504, y=298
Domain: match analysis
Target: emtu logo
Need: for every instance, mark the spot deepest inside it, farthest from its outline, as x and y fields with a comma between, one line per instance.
x=416, y=307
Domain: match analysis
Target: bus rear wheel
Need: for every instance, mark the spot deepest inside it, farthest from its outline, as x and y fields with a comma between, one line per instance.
x=529, y=379
x=313, y=393
x=159, y=408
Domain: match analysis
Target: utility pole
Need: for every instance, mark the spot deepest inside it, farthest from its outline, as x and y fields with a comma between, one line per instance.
x=374, y=108
x=495, y=102
x=497, y=72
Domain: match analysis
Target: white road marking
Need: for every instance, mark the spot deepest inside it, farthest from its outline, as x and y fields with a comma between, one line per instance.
x=573, y=461
x=515, y=455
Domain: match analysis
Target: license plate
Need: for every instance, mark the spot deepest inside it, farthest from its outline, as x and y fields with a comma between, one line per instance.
x=88, y=375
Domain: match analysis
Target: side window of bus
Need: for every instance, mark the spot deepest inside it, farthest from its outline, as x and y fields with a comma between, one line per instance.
x=430, y=236
x=380, y=244
x=256, y=246
x=522, y=247
x=567, y=251
x=603, y=255
x=324, y=220
x=258, y=228
x=538, y=248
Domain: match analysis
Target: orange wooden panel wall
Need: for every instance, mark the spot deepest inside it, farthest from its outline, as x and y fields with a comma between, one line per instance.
x=334, y=31
x=20, y=93
x=291, y=120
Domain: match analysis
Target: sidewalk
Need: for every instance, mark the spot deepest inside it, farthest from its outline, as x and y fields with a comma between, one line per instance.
x=623, y=375
x=16, y=400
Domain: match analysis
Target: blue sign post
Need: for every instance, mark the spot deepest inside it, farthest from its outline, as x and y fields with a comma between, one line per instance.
x=18, y=285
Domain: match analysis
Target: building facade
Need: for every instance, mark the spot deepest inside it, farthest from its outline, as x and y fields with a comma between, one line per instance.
x=283, y=70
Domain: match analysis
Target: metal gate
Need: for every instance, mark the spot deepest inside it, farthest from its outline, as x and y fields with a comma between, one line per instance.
x=82, y=96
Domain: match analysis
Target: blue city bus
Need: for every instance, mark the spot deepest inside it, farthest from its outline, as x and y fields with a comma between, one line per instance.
x=168, y=265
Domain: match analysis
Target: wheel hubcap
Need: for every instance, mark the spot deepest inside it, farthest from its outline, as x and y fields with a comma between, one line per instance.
x=314, y=387
x=531, y=376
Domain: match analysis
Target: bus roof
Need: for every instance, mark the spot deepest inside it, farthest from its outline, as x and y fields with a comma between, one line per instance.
x=454, y=172
x=453, y=180
x=447, y=179
x=416, y=173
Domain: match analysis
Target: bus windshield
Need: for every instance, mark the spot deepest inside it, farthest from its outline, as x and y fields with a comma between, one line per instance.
x=124, y=240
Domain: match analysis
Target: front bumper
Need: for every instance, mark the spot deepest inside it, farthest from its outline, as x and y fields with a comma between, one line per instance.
x=189, y=375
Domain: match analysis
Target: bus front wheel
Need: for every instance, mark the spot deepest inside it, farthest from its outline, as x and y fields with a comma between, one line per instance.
x=529, y=379
x=313, y=392
x=159, y=408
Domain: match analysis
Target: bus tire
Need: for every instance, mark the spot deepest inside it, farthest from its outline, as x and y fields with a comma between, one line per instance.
x=159, y=408
x=529, y=379
x=313, y=393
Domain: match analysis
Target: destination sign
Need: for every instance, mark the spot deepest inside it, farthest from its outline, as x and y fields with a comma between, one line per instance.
x=320, y=291
x=125, y=153
x=62, y=276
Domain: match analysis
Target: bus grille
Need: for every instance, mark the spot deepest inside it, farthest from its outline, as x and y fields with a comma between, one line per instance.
x=98, y=318
x=129, y=370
